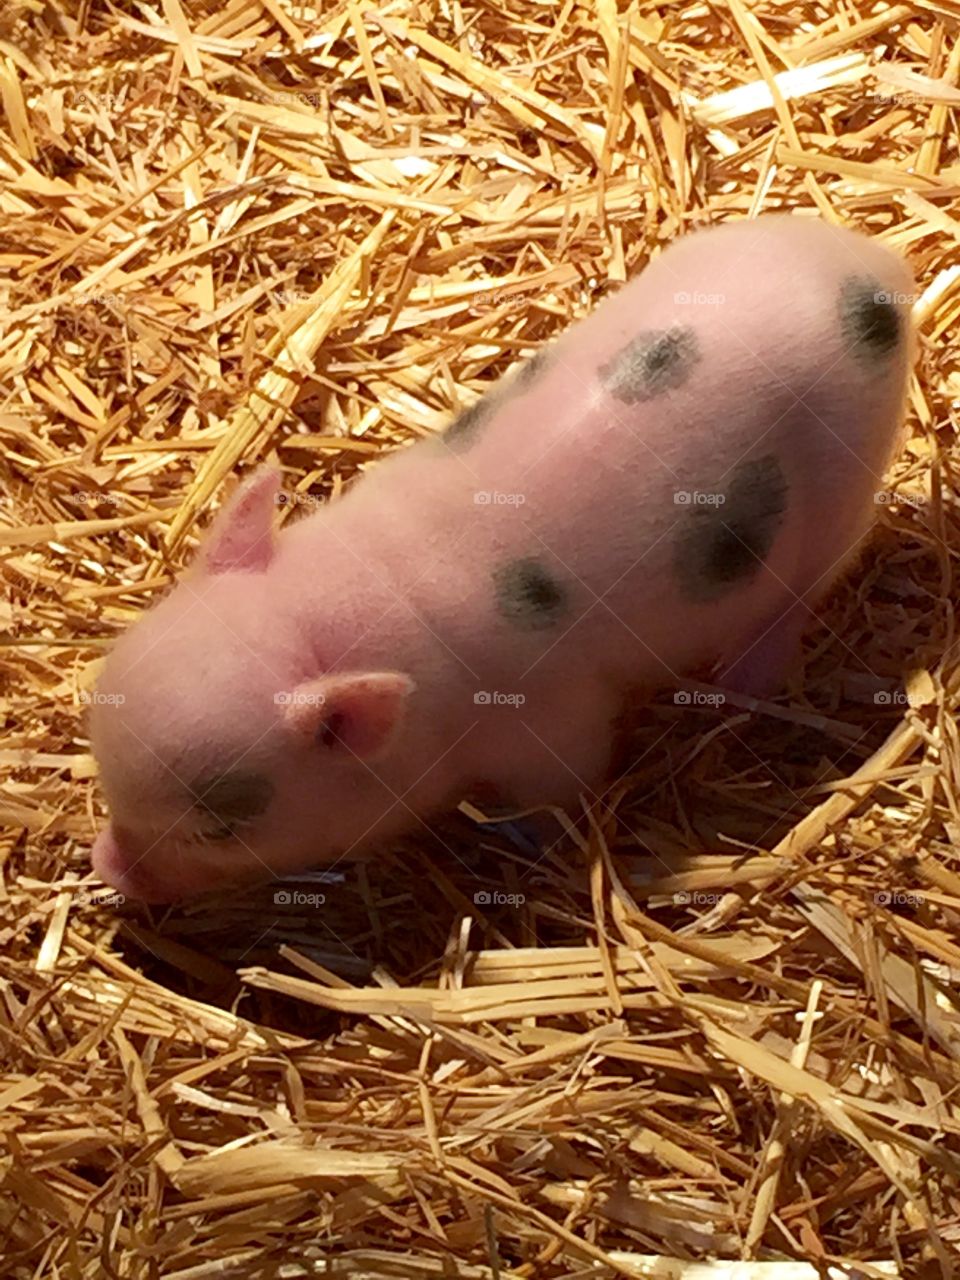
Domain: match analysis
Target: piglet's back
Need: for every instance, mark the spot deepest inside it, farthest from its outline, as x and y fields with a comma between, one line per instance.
x=730, y=410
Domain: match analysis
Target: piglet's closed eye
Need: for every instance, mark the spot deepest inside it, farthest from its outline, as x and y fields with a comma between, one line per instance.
x=350, y=714
x=231, y=799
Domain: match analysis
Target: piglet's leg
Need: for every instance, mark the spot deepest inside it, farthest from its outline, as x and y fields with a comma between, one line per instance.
x=763, y=664
x=567, y=749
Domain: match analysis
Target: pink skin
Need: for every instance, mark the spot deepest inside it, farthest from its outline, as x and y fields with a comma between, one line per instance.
x=332, y=673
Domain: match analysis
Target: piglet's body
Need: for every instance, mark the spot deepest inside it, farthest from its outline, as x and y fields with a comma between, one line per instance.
x=664, y=490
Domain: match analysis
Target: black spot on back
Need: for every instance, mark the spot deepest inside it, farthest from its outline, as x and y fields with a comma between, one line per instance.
x=530, y=370
x=465, y=428
x=651, y=364
x=232, y=798
x=724, y=545
x=528, y=595
x=869, y=317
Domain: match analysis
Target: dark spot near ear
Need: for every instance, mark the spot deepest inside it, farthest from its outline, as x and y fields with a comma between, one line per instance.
x=651, y=364
x=724, y=544
x=528, y=595
x=331, y=730
x=464, y=429
x=869, y=316
x=233, y=798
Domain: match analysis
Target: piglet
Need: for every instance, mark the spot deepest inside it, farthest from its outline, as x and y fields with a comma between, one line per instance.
x=667, y=489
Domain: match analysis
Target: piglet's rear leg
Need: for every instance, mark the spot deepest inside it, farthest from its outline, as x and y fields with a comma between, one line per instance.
x=765, y=662
x=553, y=748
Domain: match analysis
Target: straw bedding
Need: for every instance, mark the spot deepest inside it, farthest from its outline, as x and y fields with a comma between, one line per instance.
x=717, y=1021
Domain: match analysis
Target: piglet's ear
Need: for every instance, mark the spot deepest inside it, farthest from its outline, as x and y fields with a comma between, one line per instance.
x=242, y=538
x=351, y=713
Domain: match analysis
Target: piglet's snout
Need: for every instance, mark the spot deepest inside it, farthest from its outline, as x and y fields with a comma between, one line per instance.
x=119, y=861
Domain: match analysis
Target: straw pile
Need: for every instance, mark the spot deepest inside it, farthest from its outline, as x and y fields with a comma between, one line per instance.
x=716, y=1021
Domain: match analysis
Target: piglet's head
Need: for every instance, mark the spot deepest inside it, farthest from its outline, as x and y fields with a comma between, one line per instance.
x=224, y=754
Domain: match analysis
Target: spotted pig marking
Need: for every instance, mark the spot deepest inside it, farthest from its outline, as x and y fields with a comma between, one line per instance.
x=651, y=364
x=722, y=546
x=870, y=319
x=528, y=595
x=464, y=429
